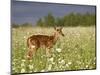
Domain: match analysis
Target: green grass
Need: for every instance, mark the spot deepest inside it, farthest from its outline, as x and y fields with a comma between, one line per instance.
x=77, y=50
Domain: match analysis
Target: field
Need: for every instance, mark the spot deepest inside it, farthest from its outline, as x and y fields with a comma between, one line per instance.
x=75, y=51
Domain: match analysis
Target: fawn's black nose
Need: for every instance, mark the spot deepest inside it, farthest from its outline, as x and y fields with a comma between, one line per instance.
x=63, y=35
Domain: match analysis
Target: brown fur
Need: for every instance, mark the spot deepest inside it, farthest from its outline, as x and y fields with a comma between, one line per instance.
x=36, y=41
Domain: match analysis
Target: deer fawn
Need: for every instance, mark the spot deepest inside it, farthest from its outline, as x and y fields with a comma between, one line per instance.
x=36, y=41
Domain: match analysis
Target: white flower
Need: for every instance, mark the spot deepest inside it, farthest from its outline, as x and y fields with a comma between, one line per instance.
x=13, y=69
x=35, y=70
x=49, y=67
x=41, y=56
x=51, y=59
x=31, y=66
x=28, y=33
x=15, y=59
x=86, y=66
x=40, y=62
x=23, y=60
x=24, y=37
x=30, y=60
x=53, y=55
x=68, y=49
x=69, y=63
x=62, y=62
x=42, y=70
x=13, y=63
x=53, y=62
x=59, y=59
x=79, y=56
x=22, y=64
x=30, y=71
x=58, y=50
x=78, y=62
x=24, y=48
x=22, y=70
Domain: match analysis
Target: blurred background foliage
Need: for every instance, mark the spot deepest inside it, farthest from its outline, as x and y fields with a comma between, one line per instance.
x=70, y=20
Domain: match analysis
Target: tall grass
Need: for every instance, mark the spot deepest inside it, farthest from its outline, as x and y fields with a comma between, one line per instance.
x=75, y=51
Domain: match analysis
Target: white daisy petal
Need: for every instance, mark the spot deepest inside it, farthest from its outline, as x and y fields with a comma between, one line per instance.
x=58, y=50
x=22, y=70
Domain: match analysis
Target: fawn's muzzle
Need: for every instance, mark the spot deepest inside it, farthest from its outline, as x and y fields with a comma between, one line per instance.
x=63, y=34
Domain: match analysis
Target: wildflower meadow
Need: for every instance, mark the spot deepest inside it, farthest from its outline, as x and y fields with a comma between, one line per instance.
x=75, y=51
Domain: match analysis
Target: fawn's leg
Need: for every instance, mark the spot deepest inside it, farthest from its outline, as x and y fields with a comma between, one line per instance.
x=31, y=52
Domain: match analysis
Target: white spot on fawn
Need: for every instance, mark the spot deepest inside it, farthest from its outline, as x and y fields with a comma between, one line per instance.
x=33, y=46
x=27, y=56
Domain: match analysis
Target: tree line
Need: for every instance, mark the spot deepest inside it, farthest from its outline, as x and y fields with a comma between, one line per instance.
x=72, y=19
x=14, y=25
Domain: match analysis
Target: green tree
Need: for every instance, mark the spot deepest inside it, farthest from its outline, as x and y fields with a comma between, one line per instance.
x=59, y=21
x=25, y=24
x=71, y=19
x=49, y=20
x=40, y=22
x=14, y=25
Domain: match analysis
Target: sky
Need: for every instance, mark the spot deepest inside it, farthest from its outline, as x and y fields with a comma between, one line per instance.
x=30, y=12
